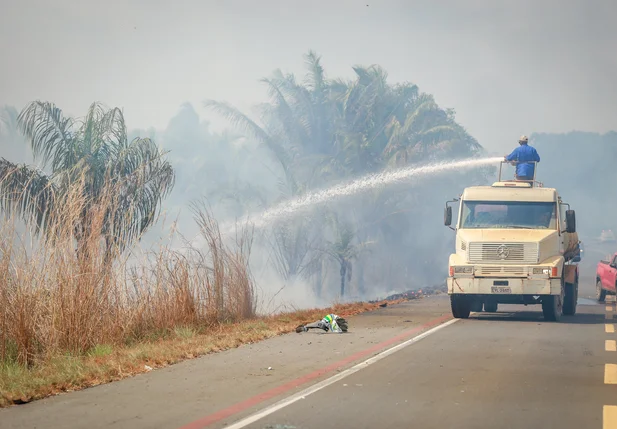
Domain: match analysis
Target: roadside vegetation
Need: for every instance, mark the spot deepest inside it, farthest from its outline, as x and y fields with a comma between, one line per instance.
x=91, y=288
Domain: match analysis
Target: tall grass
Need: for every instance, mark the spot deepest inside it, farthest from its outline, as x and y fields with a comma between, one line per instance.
x=69, y=291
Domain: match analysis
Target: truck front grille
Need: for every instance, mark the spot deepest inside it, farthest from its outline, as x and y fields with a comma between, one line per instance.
x=500, y=271
x=503, y=253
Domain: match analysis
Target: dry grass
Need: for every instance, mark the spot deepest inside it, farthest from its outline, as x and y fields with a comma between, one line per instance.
x=61, y=295
x=70, y=319
x=65, y=295
x=107, y=363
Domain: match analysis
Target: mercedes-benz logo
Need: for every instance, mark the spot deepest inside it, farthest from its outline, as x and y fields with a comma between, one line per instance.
x=503, y=252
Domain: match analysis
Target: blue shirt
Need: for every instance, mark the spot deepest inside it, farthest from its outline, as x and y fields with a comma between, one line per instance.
x=522, y=154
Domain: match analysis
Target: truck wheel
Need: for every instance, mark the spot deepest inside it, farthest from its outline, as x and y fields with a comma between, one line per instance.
x=461, y=307
x=600, y=293
x=552, y=307
x=490, y=306
x=570, y=299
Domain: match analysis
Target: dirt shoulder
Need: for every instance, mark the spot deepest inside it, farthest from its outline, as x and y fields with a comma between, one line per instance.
x=174, y=396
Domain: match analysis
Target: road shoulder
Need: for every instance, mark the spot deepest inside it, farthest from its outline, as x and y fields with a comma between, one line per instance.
x=175, y=396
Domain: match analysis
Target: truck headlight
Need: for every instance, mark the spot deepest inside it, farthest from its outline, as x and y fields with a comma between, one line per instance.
x=461, y=270
x=547, y=271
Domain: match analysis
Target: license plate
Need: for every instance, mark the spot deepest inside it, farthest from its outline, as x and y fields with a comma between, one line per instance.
x=501, y=289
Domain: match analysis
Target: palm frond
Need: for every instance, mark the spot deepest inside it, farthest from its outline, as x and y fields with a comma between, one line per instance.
x=92, y=130
x=27, y=193
x=145, y=178
x=304, y=107
x=243, y=122
x=422, y=108
x=289, y=120
x=316, y=79
x=113, y=137
x=338, y=89
x=437, y=133
x=49, y=133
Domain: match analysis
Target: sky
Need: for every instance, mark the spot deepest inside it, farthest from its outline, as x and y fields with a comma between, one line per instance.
x=507, y=67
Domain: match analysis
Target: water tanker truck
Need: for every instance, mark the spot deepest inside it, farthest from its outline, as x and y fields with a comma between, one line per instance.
x=516, y=243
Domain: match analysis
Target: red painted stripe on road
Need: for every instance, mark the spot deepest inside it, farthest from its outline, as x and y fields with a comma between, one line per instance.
x=244, y=405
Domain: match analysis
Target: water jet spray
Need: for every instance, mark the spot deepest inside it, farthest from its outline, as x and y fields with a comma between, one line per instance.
x=372, y=181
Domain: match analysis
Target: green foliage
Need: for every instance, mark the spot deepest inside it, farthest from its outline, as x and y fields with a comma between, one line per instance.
x=316, y=131
x=320, y=131
x=95, y=153
x=329, y=129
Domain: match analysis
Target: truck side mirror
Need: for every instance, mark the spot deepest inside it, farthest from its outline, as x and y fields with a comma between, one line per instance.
x=447, y=216
x=570, y=221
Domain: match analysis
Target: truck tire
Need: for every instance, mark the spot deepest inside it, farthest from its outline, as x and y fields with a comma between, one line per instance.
x=600, y=293
x=490, y=306
x=570, y=299
x=461, y=306
x=476, y=306
x=552, y=305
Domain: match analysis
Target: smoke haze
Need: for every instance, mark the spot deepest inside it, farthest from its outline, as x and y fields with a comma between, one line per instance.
x=543, y=69
x=508, y=68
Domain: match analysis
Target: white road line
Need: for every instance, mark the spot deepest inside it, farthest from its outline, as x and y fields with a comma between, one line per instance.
x=327, y=382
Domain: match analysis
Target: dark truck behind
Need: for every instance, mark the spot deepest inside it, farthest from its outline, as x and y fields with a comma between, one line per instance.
x=606, y=277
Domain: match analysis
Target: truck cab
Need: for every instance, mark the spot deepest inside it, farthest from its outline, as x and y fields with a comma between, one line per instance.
x=516, y=243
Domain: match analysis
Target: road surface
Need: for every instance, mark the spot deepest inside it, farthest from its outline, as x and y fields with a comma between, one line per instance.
x=507, y=370
x=510, y=370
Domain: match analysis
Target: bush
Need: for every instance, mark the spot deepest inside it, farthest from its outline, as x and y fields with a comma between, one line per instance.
x=60, y=296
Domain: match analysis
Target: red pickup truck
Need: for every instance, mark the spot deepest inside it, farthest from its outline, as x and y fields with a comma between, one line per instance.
x=606, y=277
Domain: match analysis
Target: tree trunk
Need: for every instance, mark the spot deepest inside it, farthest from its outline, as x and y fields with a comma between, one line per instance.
x=317, y=282
x=343, y=273
x=360, y=277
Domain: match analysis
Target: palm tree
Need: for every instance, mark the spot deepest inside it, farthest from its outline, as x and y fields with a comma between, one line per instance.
x=342, y=249
x=93, y=153
x=322, y=130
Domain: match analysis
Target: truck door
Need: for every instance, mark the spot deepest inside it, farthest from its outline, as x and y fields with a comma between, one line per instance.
x=611, y=274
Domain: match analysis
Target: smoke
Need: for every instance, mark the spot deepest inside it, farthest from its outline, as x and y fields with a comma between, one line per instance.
x=526, y=65
x=363, y=184
x=387, y=224
x=581, y=165
x=507, y=67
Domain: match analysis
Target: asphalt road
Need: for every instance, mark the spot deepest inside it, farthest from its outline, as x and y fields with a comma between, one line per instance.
x=510, y=369
x=505, y=370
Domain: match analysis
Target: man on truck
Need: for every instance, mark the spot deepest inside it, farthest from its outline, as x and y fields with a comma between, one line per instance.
x=521, y=156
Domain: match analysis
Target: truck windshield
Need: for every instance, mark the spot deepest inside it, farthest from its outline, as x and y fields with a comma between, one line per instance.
x=508, y=214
